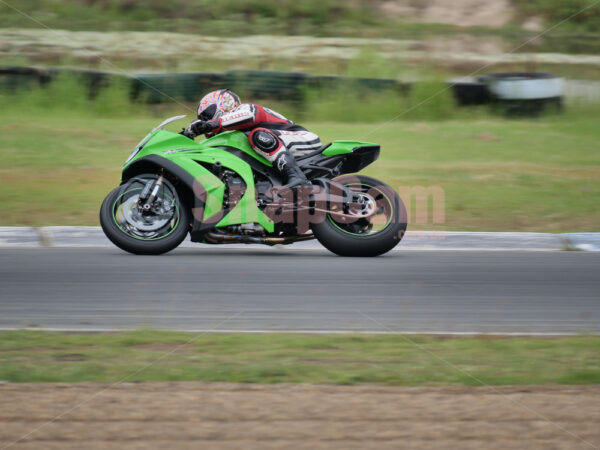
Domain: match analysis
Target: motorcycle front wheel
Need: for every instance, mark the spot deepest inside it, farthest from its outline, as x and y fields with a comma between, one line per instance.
x=376, y=227
x=154, y=231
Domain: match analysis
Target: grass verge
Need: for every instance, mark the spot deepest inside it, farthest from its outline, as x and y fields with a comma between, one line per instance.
x=146, y=355
x=487, y=173
x=228, y=17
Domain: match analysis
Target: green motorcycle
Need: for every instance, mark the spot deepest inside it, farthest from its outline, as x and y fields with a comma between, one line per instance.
x=220, y=191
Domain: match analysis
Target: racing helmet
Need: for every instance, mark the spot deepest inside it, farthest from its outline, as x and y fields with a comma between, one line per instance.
x=216, y=103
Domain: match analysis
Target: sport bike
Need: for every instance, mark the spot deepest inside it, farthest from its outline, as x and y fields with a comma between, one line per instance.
x=220, y=191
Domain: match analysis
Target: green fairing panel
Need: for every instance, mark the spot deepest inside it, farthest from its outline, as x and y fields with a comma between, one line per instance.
x=215, y=188
x=235, y=139
x=187, y=153
x=344, y=147
x=163, y=140
x=246, y=210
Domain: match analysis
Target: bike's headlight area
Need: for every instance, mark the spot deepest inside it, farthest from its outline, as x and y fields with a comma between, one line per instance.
x=133, y=153
x=138, y=147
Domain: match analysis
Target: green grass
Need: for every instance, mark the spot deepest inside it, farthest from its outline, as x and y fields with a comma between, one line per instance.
x=201, y=16
x=61, y=154
x=227, y=17
x=145, y=355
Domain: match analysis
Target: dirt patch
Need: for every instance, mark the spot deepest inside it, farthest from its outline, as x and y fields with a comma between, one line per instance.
x=462, y=13
x=228, y=416
x=465, y=43
x=486, y=137
x=419, y=127
x=140, y=51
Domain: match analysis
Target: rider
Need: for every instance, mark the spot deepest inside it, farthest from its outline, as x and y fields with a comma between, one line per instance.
x=269, y=133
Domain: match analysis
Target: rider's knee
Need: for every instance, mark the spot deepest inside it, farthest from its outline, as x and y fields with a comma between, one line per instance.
x=266, y=143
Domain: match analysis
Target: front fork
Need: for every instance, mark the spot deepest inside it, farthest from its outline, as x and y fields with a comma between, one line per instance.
x=150, y=192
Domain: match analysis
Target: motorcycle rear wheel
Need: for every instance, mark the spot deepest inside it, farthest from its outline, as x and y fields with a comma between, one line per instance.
x=372, y=236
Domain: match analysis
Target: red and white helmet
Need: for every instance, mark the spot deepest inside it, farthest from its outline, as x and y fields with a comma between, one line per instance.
x=216, y=103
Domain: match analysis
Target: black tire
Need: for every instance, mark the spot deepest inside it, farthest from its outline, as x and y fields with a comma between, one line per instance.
x=138, y=245
x=342, y=242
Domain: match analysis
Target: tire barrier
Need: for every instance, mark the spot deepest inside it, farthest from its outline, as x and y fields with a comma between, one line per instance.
x=164, y=88
x=524, y=93
x=14, y=78
x=161, y=88
x=513, y=94
x=469, y=91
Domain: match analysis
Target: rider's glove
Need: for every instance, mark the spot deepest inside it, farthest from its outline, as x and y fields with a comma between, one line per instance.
x=187, y=133
x=198, y=127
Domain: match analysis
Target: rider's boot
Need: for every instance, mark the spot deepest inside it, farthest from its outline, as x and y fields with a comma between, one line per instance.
x=292, y=174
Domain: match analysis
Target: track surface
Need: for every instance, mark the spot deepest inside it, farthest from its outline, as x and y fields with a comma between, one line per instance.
x=296, y=290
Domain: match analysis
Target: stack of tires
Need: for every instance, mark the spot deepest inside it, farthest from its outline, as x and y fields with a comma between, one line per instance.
x=512, y=93
x=524, y=93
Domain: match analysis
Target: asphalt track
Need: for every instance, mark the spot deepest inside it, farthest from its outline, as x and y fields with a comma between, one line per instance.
x=258, y=289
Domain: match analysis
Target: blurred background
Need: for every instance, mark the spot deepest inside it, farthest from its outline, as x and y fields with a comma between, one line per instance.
x=81, y=81
x=489, y=108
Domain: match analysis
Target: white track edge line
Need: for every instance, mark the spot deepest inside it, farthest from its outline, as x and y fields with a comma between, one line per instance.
x=207, y=331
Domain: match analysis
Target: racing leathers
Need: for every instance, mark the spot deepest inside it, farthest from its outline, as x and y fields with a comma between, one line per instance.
x=269, y=133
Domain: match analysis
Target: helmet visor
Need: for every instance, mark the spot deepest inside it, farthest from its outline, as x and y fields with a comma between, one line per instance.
x=208, y=113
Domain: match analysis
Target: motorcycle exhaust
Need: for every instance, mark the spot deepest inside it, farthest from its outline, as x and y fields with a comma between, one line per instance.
x=217, y=238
